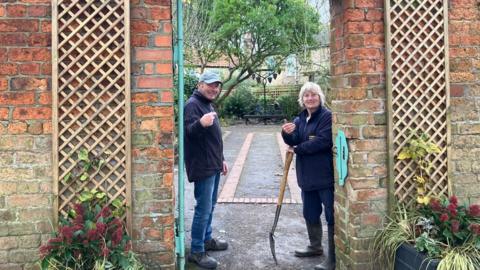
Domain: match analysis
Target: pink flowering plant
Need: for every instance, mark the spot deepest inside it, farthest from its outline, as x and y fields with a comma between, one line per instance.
x=449, y=230
x=445, y=223
x=443, y=228
x=92, y=236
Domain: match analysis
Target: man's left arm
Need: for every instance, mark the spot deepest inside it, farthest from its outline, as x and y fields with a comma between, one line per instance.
x=193, y=125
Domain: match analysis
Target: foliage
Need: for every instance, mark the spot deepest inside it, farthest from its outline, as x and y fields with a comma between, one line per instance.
x=84, y=166
x=400, y=228
x=199, y=32
x=226, y=121
x=442, y=229
x=249, y=33
x=190, y=82
x=323, y=79
x=418, y=149
x=424, y=243
x=449, y=223
x=461, y=258
x=289, y=105
x=92, y=235
x=241, y=102
x=265, y=104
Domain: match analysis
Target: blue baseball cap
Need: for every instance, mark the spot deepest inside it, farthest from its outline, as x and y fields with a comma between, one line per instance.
x=210, y=77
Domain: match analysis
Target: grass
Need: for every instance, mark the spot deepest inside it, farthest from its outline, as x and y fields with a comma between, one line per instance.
x=398, y=230
x=461, y=258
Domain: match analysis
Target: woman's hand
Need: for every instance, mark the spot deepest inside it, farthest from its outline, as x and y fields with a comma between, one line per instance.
x=288, y=128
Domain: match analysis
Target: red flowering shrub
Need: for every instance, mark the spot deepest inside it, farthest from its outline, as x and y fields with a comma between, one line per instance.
x=451, y=223
x=91, y=236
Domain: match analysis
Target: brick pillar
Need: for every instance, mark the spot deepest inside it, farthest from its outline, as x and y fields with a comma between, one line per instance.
x=152, y=132
x=358, y=105
x=26, y=182
x=464, y=35
x=25, y=131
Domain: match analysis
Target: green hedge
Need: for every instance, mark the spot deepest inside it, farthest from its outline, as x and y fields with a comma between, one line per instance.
x=289, y=105
x=239, y=103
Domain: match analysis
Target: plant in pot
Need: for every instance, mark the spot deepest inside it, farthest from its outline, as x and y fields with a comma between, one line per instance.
x=440, y=235
x=449, y=231
x=398, y=229
x=92, y=235
x=434, y=228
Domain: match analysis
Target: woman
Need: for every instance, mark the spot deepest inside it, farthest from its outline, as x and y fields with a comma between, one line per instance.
x=310, y=137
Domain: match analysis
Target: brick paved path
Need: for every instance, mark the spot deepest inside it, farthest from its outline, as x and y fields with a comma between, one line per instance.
x=256, y=167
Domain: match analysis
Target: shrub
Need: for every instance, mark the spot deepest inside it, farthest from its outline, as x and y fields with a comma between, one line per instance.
x=190, y=81
x=90, y=237
x=241, y=102
x=269, y=102
x=289, y=105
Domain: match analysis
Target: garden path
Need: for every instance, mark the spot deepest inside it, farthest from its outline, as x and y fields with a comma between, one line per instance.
x=246, y=208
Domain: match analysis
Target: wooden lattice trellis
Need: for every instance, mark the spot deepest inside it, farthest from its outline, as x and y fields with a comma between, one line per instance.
x=417, y=61
x=91, y=84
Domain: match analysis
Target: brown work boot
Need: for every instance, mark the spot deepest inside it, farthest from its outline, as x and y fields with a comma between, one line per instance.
x=315, y=236
x=203, y=260
x=215, y=245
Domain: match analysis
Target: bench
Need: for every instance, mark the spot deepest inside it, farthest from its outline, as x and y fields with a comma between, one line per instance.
x=263, y=117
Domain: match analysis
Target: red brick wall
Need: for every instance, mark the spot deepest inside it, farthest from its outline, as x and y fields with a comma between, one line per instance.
x=358, y=83
x=464, y=35
x=25, y=131
x=359, y=105
x=359, y=109
x=152, y=132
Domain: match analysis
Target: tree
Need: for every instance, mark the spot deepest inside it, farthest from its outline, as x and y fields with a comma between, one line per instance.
x=251, y=33
x=198, y=33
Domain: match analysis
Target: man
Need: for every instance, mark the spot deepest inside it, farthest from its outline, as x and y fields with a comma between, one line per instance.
x=204, y=162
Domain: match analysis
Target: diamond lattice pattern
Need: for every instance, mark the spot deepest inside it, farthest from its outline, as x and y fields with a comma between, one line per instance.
x=92, y=96
x=419, y=89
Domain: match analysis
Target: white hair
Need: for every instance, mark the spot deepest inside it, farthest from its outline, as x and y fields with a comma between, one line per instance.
x=311, y=87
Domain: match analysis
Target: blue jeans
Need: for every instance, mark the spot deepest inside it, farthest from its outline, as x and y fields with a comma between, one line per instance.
x=205, y=191
x=312, y=205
